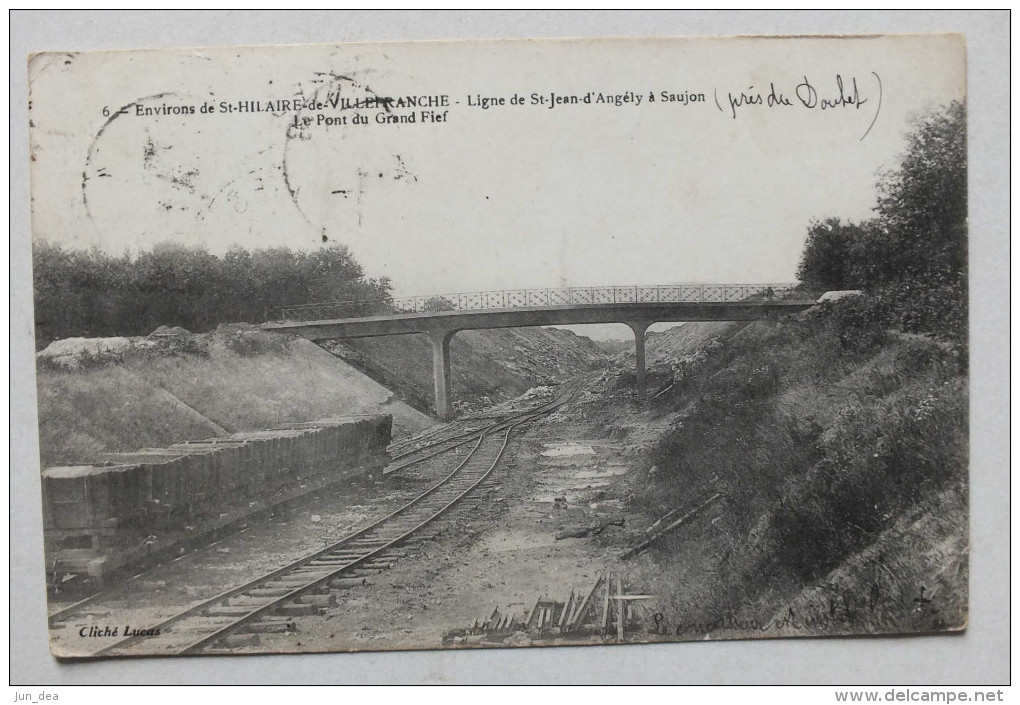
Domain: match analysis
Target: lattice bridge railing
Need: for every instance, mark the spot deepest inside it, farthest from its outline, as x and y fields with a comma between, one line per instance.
x=537, y=298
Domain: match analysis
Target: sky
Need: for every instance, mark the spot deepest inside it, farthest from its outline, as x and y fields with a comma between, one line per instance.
x=511, y=196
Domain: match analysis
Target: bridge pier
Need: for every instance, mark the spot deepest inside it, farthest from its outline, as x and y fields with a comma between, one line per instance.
x=673, y=303
x=441, y=371
x=639, y=328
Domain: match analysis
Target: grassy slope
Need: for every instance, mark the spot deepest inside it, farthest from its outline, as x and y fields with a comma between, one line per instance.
x=844, y=469
x=220, y=383
x=155, y=401
x=85, y=413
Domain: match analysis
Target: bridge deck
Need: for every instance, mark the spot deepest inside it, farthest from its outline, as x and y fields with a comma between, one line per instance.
x=576, y=314
x=636, y=307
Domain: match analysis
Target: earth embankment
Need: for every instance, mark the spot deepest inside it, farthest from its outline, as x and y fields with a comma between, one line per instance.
x=101, y=395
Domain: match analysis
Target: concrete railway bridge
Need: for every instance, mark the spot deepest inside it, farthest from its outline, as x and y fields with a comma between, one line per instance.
x=441, y=316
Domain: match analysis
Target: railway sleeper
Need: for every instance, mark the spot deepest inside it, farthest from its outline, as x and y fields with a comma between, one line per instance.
x=271, y=627
x=327, y=600
x=395, y=536
x=201, y=623
x=293, y=579
x=350, y=561
x=234, y=641
x=329, y=563
x=274, y=619
x=247, y=600
x=348, y=582
x=227, y=610
x=269, y=592
x=371, y=545
x=295, y=609
x=378, y=564
x=394, y=553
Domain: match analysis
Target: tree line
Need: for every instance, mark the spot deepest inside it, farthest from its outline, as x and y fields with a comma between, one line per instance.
x=91, y=293
x=911, y=257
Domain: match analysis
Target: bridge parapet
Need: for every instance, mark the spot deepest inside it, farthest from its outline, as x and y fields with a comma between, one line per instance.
x=537, y=298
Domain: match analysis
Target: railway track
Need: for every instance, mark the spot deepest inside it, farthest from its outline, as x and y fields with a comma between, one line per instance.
x=401, y=455
x=270, y=603
x=439, y=446
x=400, y=460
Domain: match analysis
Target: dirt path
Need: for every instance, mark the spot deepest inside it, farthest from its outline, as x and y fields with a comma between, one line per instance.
x=498, y=549
x=500, y=552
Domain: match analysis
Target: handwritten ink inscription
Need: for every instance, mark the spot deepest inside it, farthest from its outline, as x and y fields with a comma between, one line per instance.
x=839, y=94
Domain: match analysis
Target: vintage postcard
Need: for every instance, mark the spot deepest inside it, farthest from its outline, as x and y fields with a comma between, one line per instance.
x=519, y=343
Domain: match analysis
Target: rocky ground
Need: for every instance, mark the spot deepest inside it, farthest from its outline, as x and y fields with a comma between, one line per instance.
x=502, y=553
x=576, y=492
x=551, y=521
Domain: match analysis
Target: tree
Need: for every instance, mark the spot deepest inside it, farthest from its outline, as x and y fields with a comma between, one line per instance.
x=922, y=204
x=438, y=303
x=91, y=293
x=912, y=257
x=827, y=261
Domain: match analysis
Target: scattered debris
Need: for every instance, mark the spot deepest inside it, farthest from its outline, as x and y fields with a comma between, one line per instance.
x=581, y=614
x=590, y=530
x=658, y=534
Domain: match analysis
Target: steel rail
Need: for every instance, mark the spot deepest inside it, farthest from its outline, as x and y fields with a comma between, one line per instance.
x=219, y=634
x=457, y=440
x=462, y=439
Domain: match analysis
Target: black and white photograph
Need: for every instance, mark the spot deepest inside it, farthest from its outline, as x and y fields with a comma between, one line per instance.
x=514, y=343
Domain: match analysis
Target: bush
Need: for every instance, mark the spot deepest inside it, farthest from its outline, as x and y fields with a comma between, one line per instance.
x=877, y=460
x=936, y=308
x=859, y=321
x=250, y=344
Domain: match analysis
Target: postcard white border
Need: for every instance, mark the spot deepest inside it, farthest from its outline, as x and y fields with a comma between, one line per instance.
x=979, y=656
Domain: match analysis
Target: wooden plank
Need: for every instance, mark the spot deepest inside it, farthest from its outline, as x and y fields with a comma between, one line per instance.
x=619, y=610
x=577, y=619
x=566, y=610
x=578, y=601
x=658, y=535
x=605, y=606
x=527, y=622
x=664, y=518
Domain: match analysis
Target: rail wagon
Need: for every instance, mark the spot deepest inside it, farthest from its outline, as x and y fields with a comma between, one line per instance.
x=82, y=504
x=106, y=514
x=161, y=492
